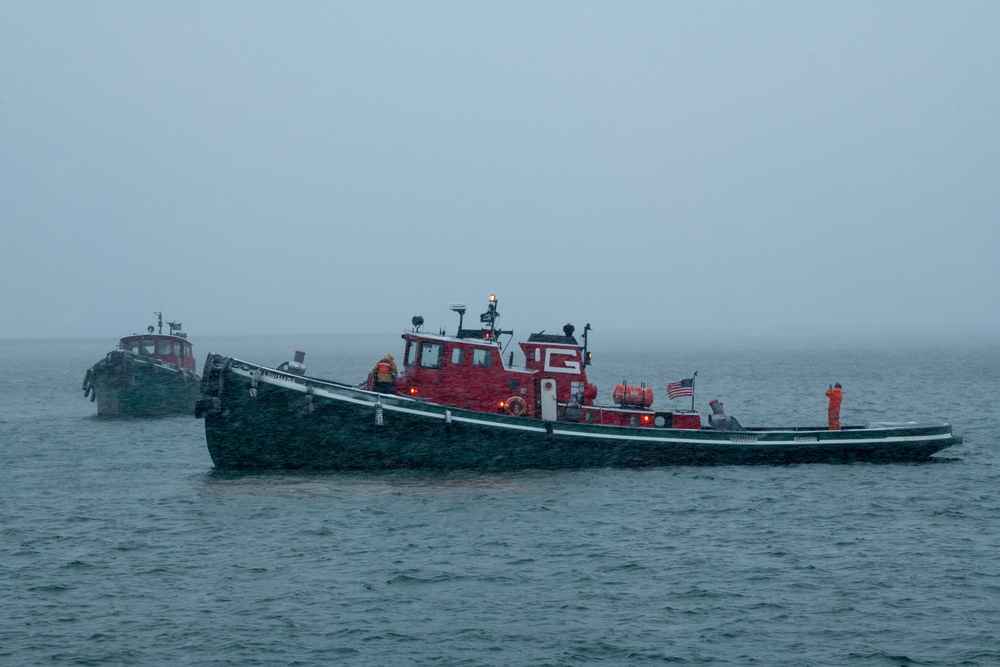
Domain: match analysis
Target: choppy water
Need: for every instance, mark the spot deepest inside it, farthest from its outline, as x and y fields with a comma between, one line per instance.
x=121, y=545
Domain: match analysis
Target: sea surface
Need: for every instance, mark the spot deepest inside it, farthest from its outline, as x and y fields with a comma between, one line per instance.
x=120, y=544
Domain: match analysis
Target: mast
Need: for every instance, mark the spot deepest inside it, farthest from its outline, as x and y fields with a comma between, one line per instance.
x=694, y=378
x=491, y=315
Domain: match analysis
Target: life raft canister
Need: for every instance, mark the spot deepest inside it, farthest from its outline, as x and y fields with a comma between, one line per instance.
x=629, y=395
x=516, y=406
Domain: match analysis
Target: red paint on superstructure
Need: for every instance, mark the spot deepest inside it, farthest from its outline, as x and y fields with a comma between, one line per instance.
x=465, y=372
x=691, y=420
x=165, y=347
x=469, y=371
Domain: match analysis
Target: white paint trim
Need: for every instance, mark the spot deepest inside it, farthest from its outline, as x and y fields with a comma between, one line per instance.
x=568, y=365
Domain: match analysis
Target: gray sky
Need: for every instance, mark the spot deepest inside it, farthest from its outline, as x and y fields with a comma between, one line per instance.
x=337, y=167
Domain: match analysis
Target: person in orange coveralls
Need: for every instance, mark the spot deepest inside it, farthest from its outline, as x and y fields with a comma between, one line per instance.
x=836, y=395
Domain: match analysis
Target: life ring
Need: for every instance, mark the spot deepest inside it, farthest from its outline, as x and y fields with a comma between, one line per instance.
x=516, y=406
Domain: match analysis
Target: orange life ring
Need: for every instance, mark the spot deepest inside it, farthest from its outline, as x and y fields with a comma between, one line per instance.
x=516, y=406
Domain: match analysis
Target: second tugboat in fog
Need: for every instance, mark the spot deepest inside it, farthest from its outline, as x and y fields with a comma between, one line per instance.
x=147, y=375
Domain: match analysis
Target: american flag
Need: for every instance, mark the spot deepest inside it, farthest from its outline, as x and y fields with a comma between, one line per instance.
x=681, y=388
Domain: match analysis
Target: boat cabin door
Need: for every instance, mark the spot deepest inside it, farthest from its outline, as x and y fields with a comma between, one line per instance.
x=548, y=398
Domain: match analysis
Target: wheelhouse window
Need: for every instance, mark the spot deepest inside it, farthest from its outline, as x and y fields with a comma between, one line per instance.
x=165, y=347
x=411, y=353
x=457, y=356
x=148, y=346
x=430, y=355
x=481, y=357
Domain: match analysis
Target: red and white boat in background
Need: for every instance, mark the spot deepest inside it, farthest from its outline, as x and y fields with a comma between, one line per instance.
x=147, y=375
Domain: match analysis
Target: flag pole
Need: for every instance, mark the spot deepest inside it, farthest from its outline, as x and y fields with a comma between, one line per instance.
x=693, y=378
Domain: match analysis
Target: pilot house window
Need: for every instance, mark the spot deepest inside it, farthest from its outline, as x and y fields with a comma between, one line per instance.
x=457, y=356
x=430, y=355
x=481, y=357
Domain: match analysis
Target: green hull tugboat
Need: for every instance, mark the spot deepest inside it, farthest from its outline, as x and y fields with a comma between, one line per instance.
x=457, y=404
x=148, y=375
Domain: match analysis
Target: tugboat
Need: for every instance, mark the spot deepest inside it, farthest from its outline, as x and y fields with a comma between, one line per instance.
x=457, y=404
x=148, y=375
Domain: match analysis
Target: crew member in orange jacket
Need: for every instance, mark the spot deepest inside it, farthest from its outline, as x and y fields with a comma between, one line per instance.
x=836, y=395
x=385, y=375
